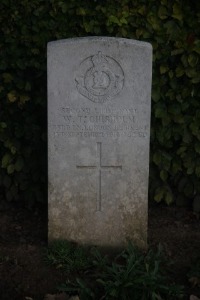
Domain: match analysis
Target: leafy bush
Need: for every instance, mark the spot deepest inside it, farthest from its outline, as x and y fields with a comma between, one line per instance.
x=67, y=256
x=131, y=276
x=173, y=29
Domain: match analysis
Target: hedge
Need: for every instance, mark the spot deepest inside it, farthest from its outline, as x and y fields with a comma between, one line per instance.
x=171, y=26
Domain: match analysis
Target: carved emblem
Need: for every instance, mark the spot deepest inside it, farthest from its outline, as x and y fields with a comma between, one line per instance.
x=101, y=78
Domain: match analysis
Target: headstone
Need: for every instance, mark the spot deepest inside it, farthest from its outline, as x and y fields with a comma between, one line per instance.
x=99, y=92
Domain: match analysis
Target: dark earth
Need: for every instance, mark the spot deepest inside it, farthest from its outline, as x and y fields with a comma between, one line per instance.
x=24, y=275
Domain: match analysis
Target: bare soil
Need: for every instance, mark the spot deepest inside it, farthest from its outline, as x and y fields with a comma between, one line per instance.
x=24, y=273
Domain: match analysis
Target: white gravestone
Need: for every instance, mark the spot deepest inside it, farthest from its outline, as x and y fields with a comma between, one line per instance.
x=99, y=91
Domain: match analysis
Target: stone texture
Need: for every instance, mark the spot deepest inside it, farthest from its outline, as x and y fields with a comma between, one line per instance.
x=98, y=140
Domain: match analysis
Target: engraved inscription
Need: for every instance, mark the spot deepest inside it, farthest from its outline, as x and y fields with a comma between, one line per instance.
x=98, y=122
x=100, y=79
x=99, y=167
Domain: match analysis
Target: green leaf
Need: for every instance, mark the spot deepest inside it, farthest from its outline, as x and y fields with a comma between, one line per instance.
x=179, y=119
x=3, y=125
x=160, y=110
x=64, y=7
x=181, y=150
x=114, y=20
x=11, y=169
x=169, y=198
x=7, y=77
x=195, y=128
x=165, y=121
x=187, y=137
x=171, y=74
x=87, y=26
x=163, y=69
x=177, y=12
x=24, y=98
x=193, y=59
x=170, y=93
x=139, y=32
x=196, y=80
x=156, y=94
x=6, y=160
x=12, y=96
x=154, y=22
x=174, y=109
x=157, y=157
x=176, y=166
x=19, y=164
x=166, y=160
x=13, y=149
x=159, y=194
x=28, y=86
x=80, y=11
x=142, y=10
x=173, y=85
x=190, y=170
x=123, y=21
x=191, y=73
x=184, y=60
x=164, y=175
x=162, y=12
x=177, y=51
x=180, y=71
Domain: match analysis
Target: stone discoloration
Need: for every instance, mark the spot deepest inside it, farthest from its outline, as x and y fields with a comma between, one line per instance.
x=98, y=140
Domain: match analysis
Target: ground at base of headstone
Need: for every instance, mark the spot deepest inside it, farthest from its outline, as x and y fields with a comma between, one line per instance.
x=24, y=274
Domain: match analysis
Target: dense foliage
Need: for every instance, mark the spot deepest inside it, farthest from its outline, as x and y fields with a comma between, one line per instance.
x=172, y=26
x=130, y=275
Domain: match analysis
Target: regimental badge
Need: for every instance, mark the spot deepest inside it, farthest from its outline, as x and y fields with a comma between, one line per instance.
x=100, y=78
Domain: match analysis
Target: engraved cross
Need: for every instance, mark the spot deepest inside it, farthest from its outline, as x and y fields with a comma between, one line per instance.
x=99, y=167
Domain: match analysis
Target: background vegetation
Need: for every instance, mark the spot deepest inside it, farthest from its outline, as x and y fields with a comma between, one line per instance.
x=127, y=276
x=171, y=26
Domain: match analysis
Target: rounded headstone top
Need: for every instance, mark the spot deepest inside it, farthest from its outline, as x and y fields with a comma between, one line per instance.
x=100, y=39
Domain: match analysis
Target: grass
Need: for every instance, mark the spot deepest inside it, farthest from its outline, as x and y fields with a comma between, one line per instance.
x=67, y=256
x=131, y=275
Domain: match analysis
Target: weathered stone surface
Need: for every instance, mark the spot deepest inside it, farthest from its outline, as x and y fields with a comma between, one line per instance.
x=98, y=140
